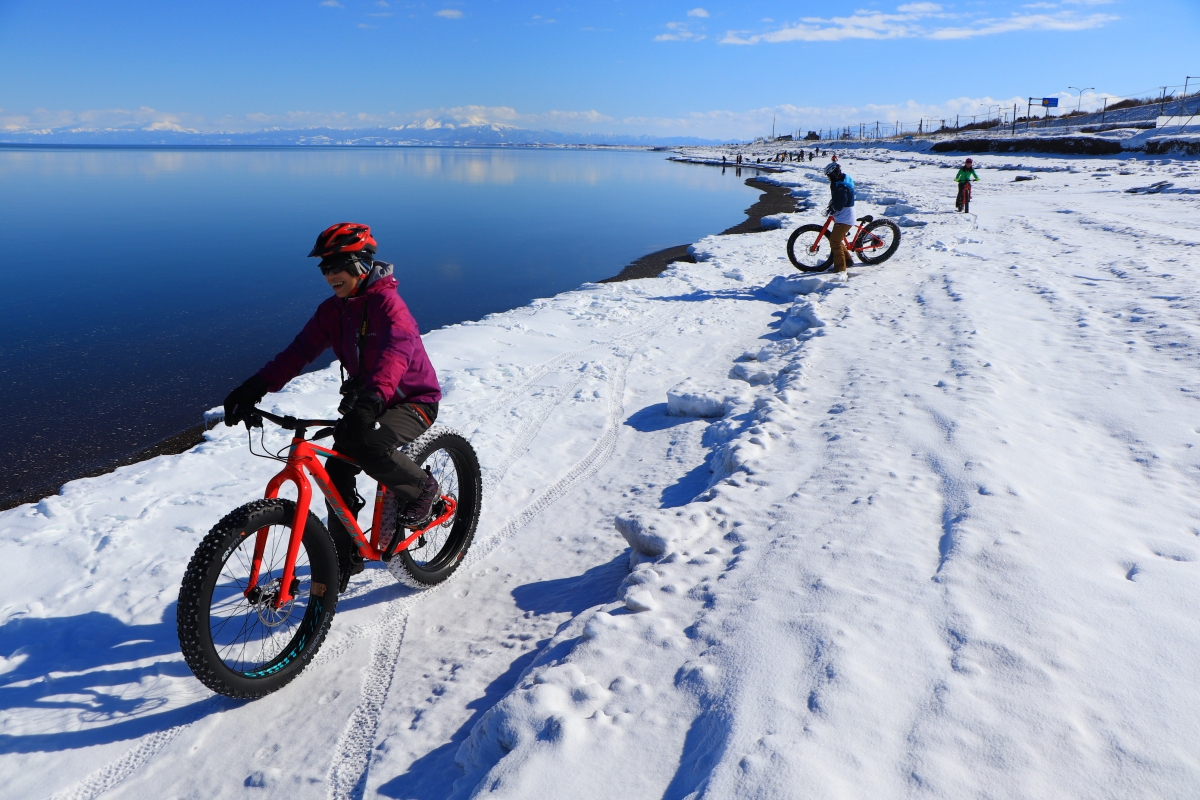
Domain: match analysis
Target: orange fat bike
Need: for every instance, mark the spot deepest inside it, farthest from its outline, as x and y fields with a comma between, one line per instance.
x=260, y=591
x=810, y=247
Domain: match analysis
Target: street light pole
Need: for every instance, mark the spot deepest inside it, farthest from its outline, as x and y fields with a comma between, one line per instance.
x=1079, y=102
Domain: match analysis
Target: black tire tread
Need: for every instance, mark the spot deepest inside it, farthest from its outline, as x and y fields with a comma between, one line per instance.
x=434, y=439
x=892, y=248
x=791, y=249
x=191, y=590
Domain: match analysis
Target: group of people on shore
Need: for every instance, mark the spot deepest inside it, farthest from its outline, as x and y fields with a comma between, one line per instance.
x=782, y=156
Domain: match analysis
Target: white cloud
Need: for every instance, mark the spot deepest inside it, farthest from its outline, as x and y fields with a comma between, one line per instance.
x=698, y=12
x=449, y=13
x=331, y=4
x=913, y=20
x=382, y=3
x=1027, y=22
x=678, y=32
x=712, y=124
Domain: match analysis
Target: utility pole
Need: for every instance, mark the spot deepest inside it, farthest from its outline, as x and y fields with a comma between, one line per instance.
x=1104, y=110
x=1029, y=114
x=1162, y=100
x=1014, y=129
x=1185, y=85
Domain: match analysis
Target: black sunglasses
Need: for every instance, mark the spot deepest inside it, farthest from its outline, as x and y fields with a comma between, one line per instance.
x=344, y=265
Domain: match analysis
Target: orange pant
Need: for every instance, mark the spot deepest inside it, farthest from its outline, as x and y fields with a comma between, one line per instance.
x=841, y=257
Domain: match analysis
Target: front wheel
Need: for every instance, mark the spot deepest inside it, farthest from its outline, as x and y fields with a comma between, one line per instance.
x=808, y=250
x=237, y=640
x=878, y=242
x=434, y=556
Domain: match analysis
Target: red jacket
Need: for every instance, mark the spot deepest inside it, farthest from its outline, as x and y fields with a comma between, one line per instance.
x=394, y=359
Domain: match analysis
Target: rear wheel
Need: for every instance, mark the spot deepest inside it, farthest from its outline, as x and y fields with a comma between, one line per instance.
x=878, y=242
x=235, y=639
x=808, y=250
x=434, y=556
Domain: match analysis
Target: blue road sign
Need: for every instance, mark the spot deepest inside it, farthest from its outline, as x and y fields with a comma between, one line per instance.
x=1050, y=102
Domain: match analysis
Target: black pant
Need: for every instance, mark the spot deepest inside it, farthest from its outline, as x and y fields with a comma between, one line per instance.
x=378, y=456
x=963, y=202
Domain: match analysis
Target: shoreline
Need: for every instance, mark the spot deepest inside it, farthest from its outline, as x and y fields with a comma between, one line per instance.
x=774, y=200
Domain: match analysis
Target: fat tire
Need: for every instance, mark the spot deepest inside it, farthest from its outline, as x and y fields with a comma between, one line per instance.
x=203, y=572
x=804, y=265
x=879, y=258
x=403, y=566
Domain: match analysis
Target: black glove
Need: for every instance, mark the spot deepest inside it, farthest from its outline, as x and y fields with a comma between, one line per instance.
x=355, y=423
x=243, y=398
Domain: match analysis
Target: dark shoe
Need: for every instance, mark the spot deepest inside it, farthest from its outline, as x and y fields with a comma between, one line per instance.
x=353, y=566
x=420, y=511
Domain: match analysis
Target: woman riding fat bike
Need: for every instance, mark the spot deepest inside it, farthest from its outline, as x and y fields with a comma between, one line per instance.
x=390, y=396
x=963, y=179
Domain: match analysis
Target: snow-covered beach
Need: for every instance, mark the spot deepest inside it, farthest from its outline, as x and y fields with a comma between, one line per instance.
x=746, y=534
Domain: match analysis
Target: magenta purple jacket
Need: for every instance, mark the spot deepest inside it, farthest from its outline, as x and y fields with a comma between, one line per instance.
x=396, y=366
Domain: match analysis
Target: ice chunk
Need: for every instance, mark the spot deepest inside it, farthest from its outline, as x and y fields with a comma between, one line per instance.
x=909, y=222
x=788, y=286
x=643, y=535
x=899, y=208
x=651, y=533
x=685, y=399
x=799, y=318
x=753, y=374
x=639, y=600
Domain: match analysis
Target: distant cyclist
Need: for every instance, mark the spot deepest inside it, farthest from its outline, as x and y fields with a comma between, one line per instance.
x=392, y=393
x=841, y=208
x=964, y=178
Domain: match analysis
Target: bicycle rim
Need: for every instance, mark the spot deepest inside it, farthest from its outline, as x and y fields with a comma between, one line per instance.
x=878, y=242
x=801, y=253
x=431, y=548
x=249, y=635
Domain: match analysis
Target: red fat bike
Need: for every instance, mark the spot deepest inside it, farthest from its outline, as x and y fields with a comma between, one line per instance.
x=810, y=247
x=261, y=589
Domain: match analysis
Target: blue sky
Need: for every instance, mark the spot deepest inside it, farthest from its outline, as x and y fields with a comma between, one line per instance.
x=717, y=70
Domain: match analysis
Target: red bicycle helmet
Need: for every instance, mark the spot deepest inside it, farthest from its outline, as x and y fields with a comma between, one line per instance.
x=343, y=239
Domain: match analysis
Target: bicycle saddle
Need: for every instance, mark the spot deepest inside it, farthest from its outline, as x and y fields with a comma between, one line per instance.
x=866, y=219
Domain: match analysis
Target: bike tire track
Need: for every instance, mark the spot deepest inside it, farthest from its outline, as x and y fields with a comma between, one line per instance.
x=115, y=773
x=527, y=433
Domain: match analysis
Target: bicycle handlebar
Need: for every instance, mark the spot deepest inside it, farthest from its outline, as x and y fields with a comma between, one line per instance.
x=254, y=420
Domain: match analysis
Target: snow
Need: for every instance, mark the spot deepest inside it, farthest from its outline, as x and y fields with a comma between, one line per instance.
x=747, y=533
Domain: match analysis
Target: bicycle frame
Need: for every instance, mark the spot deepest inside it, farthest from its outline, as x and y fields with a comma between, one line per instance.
x=303, y=456
x=851, y=241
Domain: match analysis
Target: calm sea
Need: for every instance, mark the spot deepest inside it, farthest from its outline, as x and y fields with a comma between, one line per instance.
x=144, y=284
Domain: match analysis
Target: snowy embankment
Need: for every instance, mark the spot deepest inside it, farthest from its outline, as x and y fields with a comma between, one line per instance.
x=747, y=534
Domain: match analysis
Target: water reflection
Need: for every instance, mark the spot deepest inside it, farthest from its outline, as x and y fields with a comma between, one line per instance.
x=177, y=273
